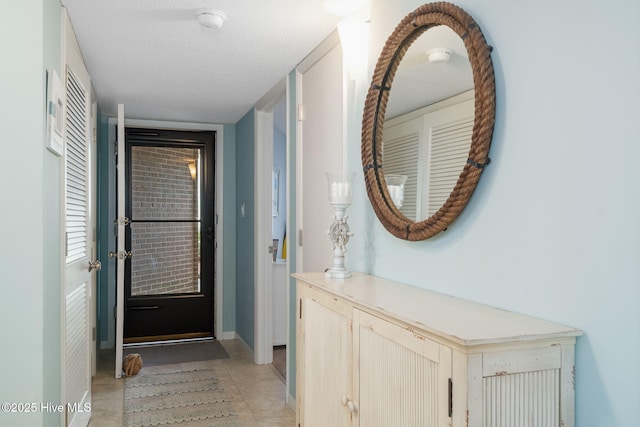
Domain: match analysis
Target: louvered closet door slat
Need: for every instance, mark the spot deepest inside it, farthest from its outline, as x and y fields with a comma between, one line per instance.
x=450, y=144
x=76, y=169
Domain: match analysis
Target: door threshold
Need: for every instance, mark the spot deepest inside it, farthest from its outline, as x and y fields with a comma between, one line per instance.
x=164, y=340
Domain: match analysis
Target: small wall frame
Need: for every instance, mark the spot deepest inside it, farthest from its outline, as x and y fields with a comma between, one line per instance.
x=56, y=105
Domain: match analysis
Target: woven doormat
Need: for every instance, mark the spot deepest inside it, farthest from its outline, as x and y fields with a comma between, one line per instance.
x=185, y=398
x=167, y=354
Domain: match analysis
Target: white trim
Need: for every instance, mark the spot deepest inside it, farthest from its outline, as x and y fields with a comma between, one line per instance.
x=219, y=167
x=299, y=181
x=246, y=346
x=229, y=335
x=120, y=244
x=291, y=402
x=319, y=52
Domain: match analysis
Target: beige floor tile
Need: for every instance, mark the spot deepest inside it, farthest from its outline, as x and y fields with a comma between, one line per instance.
x=257, y=393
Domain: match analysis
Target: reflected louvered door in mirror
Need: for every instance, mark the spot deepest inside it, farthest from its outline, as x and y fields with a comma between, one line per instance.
x=429, y=146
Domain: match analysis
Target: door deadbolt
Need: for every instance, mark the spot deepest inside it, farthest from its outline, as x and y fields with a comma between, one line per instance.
x=121, y=254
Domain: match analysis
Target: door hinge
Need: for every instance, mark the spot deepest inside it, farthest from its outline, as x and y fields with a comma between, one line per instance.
x=450, y=398
x=300, y=112
x=300, y=311
x=93, y=333
x=300, y=237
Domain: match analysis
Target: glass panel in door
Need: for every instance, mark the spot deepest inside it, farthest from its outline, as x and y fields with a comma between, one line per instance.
x=165, y=222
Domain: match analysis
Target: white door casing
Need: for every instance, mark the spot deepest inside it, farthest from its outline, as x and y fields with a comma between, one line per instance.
x=120, y=242
x=263, y=271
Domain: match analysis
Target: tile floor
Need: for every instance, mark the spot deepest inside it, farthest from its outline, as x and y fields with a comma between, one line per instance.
x=257, y=392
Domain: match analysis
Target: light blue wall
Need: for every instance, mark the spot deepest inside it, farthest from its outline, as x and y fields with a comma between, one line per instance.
x=552, y=230
x=230, y=221
x=29, y=226
x=245, y=154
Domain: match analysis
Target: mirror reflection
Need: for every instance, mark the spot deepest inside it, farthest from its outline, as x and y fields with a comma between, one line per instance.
x=429, y=121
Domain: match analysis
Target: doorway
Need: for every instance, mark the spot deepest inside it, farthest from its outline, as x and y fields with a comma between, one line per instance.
x=170, y=240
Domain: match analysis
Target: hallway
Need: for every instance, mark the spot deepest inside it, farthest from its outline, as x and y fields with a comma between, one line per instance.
x=256, y=391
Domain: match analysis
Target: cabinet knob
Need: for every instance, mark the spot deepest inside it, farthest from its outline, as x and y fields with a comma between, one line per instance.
x=348, y=403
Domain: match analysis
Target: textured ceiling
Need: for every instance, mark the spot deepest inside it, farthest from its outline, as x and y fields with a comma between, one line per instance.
x=153, y=56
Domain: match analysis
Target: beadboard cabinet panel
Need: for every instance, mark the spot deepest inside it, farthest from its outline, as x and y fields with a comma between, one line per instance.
x=407, y=371
x=326, y=361
x=404, y=356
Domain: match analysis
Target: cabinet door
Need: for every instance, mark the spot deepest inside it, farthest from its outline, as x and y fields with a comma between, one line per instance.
x=403, y=377
x=522, y=388
x=324, y=360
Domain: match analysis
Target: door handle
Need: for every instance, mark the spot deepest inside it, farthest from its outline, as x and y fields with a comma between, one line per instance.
x=145, y=307
x=96, y=265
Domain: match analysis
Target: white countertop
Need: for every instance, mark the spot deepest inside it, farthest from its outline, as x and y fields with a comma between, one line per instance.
x=461, y=321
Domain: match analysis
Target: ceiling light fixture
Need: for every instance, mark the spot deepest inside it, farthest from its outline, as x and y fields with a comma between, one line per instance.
x=344, y=8
x=439, y=54
x=211, y=18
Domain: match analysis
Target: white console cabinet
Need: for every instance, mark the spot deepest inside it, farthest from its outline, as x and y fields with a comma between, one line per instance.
x=372, y=352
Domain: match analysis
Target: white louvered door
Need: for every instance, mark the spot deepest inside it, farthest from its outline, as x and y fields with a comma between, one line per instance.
x=79, y=250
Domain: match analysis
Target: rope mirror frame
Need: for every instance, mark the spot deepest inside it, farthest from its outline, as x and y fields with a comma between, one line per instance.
x=406, y=32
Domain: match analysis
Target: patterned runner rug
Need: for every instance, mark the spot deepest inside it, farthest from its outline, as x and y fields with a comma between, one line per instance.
x=187, y=399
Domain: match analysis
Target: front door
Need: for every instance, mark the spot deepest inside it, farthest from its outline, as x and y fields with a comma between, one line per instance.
x=169, y=272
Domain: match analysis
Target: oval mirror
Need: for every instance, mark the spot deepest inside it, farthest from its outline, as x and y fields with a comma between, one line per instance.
x=435, y=127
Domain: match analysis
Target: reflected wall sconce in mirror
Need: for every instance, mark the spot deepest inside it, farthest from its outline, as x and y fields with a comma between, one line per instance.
x=340, y=189
x=395, y=186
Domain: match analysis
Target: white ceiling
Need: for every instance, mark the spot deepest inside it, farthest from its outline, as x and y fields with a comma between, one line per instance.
x=153, y=56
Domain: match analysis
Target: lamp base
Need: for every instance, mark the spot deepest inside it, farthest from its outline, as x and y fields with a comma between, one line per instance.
x=337, y=274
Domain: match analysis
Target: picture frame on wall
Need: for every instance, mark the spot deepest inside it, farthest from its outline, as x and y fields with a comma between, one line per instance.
x=56, y=103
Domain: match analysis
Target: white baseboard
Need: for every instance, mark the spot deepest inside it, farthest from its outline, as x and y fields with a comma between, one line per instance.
x=251, y=355
x=230, y=335
x=291, y=402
